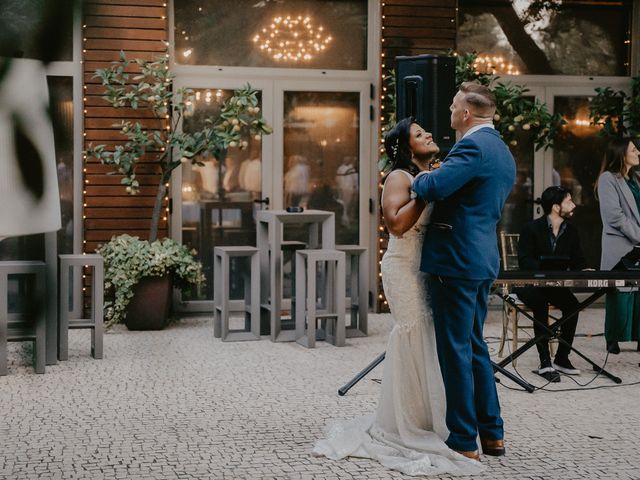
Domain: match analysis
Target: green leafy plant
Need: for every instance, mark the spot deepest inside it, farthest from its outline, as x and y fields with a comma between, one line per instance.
x=151, y=89
x=128, y=259
x=617, y=112
x=516, y=110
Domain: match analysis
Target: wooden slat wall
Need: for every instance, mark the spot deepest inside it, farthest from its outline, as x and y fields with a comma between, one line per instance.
x=139, y=27
x=413, y=27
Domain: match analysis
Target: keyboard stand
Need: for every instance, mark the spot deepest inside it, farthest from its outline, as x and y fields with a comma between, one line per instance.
x=553, y=331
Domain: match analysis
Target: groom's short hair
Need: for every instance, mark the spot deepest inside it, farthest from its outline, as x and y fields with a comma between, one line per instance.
x=481, y=99
x=554, y=195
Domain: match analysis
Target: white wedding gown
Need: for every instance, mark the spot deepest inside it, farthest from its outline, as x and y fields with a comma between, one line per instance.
x=407, y=432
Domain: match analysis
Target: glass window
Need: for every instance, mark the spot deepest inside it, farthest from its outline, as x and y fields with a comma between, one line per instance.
x=518, y=209
x=285, y=33
x=20, y=26
x=61, y=108
x=576, y=163
x=321, y=151
x=218, y=207
x=570, y=37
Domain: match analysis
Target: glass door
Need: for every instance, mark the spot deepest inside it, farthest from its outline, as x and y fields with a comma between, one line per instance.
x=215, y=203
x=324, y=144
x=575, y=163
x=318, y=157
x=519, y=207
x=325, y=152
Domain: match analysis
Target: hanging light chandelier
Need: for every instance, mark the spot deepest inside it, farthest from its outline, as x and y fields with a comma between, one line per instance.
x=494, y=64
x=292, y=39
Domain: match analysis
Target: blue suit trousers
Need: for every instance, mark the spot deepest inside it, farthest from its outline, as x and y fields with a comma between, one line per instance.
x=459, y=311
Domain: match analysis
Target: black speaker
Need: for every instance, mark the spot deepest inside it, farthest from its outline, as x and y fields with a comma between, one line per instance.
x=425, y=87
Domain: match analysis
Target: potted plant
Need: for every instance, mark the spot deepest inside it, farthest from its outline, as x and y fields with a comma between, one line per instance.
x=150, y=87
x=150, y=270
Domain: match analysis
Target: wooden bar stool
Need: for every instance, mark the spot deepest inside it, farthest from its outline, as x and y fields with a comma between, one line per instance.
x=307, y=312
x=17, y=328
x=68, y=264
x=223, y=306
x=357, y=301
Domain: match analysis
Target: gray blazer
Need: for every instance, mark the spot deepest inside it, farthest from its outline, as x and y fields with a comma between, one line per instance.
x=620, y=219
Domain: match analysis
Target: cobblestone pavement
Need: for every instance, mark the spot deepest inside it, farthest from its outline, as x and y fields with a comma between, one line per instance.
x=180, y=404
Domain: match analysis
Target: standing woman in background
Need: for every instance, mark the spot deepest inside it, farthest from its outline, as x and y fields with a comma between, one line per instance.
x=619, y=195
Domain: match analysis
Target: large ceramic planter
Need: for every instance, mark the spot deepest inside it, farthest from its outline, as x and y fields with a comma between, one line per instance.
x=150, y=306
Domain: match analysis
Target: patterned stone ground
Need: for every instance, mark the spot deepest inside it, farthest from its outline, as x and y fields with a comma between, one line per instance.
x=180, y=404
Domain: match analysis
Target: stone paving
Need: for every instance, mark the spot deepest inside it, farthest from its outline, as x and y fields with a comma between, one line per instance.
x=180, y=404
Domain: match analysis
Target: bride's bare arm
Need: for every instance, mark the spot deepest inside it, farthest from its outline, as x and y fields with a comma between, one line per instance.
x=399, y=210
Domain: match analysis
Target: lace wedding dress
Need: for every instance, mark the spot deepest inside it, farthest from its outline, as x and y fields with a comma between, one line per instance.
x=408, y=430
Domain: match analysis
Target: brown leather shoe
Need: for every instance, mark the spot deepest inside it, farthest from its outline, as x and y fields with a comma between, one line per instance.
x=493, y=447
x=472, y=454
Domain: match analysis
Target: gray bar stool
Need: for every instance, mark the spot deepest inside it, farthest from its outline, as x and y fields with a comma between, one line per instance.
x=306, y=309
x=223, y=305
x=358, y=301
x=284, y=326
x=16, y=328
x=68, y=264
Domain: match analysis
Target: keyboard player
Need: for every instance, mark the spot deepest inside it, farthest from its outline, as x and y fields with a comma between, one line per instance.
x=552, y=243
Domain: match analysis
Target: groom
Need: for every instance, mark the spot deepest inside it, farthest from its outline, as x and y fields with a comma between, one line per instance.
x=460, y=254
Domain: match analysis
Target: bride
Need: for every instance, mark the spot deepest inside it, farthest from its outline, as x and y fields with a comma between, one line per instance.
x=408, y=430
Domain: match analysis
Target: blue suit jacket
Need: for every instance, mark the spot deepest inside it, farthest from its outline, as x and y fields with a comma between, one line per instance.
x=469, y=191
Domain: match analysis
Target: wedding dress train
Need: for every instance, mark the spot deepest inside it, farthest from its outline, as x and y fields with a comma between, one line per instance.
x=408, y=430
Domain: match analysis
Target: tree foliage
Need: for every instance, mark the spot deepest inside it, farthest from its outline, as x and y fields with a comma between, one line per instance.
x=152, y=89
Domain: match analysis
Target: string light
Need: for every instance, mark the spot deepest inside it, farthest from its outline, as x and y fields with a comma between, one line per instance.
x=292, y=39
x=494, y=64
x=384, y=114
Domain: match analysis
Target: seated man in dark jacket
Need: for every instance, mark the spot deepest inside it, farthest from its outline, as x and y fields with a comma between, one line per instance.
x=552, y=243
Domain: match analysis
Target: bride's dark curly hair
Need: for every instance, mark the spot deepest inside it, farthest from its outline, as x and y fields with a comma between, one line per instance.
x=396, y=144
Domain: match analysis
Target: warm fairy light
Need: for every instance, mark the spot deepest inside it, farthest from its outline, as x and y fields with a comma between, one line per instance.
x=292, y=39
x=382, y=302
x=494, y=64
